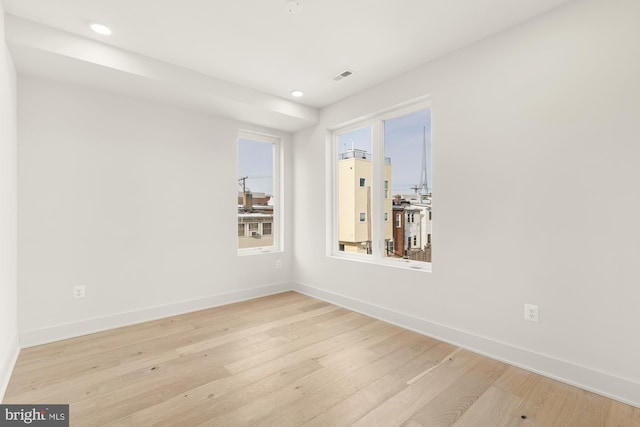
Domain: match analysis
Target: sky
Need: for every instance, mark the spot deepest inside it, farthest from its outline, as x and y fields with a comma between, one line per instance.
x=255, y=161
x=403, y=144
x=403, y=141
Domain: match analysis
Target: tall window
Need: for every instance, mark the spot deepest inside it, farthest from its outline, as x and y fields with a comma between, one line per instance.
x=258, y=193
x=382, y=167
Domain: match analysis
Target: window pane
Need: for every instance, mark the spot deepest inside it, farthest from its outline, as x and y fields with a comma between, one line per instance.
x=354, y=191
x=255, y=193
x=407, y=143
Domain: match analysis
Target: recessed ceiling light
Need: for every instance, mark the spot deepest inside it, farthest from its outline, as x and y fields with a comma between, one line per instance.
x=297, y=93
x=100, y=29
x=293, y=7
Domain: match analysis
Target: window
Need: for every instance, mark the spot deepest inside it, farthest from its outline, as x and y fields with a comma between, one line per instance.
x=258, y=193
x=382, y=167
x=266, y=229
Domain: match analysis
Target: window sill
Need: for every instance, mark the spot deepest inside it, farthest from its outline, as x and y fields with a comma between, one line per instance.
x=258, y=251
x=404, y=264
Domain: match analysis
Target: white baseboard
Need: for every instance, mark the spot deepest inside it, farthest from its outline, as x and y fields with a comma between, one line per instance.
x=585, y=378
x=6, y=366
x=35, y=337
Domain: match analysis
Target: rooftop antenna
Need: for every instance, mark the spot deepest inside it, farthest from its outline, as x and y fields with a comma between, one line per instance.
x=424, y=184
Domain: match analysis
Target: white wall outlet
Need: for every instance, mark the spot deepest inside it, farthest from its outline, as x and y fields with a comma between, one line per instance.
x=278, y=264
x=531, y=312
x=78, y=291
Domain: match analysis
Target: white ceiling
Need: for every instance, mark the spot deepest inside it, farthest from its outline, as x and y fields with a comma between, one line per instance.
x=257, y=44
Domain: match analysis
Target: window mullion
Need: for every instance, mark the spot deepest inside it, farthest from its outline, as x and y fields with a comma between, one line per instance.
x=377, y=216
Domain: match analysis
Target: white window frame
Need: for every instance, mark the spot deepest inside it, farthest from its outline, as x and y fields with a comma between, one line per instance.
x=278, y=191
x=376, y=122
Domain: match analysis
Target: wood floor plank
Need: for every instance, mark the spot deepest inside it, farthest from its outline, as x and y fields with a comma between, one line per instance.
x=374, y=394
x=494, y=408
x=291, y=360
x=450, y=404
x=621, y=415
x=313, y=404
x=400, y=407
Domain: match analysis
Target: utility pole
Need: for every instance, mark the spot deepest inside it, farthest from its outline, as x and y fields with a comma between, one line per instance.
x=244, y=184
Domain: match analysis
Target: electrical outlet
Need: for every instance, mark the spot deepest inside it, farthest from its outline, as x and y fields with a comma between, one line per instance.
x=278, y=264
x=531, y=312
x=78, y=291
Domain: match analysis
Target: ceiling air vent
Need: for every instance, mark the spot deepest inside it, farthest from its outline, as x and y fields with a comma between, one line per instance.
x=342, y=75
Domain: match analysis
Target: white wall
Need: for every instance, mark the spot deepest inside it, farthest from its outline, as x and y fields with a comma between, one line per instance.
x=8, y=210
x=134, y=200
x=536, y=175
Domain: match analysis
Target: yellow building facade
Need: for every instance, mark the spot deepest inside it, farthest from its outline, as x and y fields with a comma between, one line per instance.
x=355, y=201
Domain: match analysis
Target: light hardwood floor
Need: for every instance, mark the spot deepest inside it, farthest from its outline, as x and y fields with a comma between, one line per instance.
x=291, y=360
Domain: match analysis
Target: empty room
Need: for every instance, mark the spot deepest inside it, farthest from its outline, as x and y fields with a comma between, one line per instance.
x=320, y=213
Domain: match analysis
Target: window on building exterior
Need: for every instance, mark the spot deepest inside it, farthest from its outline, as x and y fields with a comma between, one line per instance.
x=253, y=228
x=381, y=163
x=258, y=193
x=266, y=229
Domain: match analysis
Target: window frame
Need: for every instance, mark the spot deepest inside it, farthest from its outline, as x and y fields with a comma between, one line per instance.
x=376, y=122
x=278, y=191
